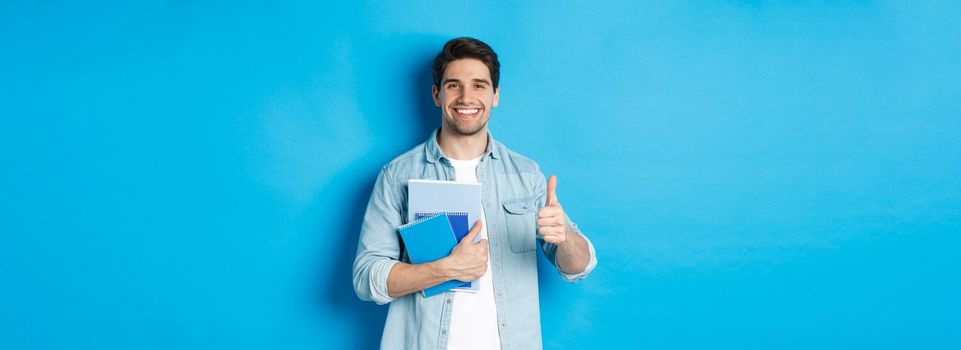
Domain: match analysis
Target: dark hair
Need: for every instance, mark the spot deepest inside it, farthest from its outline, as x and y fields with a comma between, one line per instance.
x=465, y=47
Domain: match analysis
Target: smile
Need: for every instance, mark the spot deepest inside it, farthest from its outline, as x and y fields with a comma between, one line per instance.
x=467, y=112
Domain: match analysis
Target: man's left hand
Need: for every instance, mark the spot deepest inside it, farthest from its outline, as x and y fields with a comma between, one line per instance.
x=551, y=221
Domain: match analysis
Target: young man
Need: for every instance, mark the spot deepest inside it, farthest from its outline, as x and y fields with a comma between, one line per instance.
x=520, y=211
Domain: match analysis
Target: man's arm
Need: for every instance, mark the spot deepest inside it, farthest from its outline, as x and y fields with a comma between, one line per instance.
x=378, y=247
x=467, y=262
x=573, y=255
x=564, y=245
x=380, y=277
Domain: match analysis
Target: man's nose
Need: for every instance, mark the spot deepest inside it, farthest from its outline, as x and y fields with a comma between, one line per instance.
x=465, y=96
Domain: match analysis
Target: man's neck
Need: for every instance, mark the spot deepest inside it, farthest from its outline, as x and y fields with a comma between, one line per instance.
x=462, y=147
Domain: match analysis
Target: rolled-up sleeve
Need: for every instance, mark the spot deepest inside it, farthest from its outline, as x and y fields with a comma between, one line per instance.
x=550, y=251
x=378, y=247
x=590, y=265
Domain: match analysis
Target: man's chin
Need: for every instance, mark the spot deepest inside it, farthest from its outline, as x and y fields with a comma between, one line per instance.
x=470, y=132
x=467, y=130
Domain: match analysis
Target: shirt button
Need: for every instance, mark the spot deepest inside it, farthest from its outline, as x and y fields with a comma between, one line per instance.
x=448, y=301
x=443, y=332
x=493, y=234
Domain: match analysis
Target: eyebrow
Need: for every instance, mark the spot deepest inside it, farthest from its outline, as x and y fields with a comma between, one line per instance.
x=485, y=81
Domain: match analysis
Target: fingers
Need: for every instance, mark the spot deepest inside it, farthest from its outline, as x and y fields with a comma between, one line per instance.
x=552, y=225
x=547, y=212
x=474, y=231
x=554, y=234
x=551, y=222
x=556, y=239
x=554, y=221
x=478, y=263
x=472, y=273
x=551, y=191
x=483, y=248
x=552, y=230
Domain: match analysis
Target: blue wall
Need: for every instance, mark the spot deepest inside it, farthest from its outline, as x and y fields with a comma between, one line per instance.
x=754, y=174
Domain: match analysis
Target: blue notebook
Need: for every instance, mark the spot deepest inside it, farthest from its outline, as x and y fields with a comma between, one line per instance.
x=434, y=196
x=458, y=223
x=428, y=240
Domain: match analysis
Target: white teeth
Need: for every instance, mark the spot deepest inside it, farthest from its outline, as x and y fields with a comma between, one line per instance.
x=467, y=111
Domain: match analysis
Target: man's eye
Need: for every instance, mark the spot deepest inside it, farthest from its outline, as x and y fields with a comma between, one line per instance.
x=479, y=86
x=451, y=85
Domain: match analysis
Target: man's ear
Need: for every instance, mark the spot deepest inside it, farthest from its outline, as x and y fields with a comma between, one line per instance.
x=435, y=93
x=497, y=96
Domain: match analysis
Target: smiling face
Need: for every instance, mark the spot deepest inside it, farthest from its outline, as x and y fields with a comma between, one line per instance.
x=466, y=96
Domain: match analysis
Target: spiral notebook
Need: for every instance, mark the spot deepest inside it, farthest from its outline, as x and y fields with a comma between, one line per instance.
x=458, y=224
x=434, y=196
x=427, y=240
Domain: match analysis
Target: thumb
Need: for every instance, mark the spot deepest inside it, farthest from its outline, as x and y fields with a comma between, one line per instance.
x=551, y=191
x=472, y=234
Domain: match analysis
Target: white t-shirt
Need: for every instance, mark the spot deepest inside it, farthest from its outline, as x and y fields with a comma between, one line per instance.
x=473, y=320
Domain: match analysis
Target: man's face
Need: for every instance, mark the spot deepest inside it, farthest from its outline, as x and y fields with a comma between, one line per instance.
x=466, y=96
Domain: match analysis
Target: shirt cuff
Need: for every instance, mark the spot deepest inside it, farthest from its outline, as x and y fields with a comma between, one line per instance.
x=378, y=281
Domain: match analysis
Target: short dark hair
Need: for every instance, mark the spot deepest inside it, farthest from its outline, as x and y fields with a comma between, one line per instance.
x=466, y=47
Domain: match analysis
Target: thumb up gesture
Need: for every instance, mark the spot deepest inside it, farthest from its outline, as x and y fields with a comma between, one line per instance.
x=551, y=221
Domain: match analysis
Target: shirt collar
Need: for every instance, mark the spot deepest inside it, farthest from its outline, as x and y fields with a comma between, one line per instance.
x=434, y=152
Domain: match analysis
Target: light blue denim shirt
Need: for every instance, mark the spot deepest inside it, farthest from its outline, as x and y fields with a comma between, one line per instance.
x=514, y=189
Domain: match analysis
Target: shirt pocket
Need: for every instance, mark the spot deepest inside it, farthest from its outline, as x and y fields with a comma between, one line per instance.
x=521, y=216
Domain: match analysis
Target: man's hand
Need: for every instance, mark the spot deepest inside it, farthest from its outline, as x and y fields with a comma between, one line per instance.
x=468, y=261
x=551, y=220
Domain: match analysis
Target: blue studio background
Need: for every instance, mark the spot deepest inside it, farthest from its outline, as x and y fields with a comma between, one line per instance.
x=754, y=174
